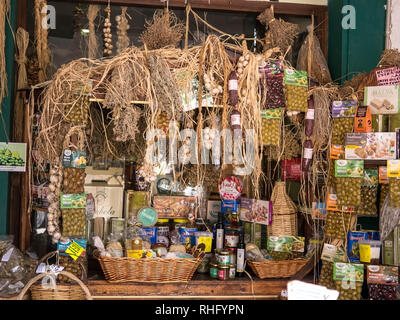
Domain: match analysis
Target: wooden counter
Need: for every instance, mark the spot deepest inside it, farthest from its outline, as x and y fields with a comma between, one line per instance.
x=200, y=287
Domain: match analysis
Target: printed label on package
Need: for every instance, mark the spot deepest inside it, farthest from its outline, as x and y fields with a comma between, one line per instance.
x=271, y=113
x=332, y=253
x=393, y=168
x=285, y=244
x=383, y=275
x=271, y=67
x=389, y=76
x=318, y=210
x=75, y=250
x=349, y=168
x=348, y=272
x=382, y=99
x=74, y=159
x=337, y=152
x=73, y=201
x=344, y=109
x=63, y=246
x=371, y=177
x=296, y=78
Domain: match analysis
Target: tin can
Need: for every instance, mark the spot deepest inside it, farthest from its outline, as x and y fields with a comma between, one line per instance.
x=214, y=270
x=224, y=258
x=232, y=271
x=223, y=272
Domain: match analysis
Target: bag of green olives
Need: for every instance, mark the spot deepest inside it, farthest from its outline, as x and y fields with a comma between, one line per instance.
x=394, y=192
x=78, y=112
x=349, y=280
x=338, y=223
x=369, y=194
x=271, y=126
x=348, y=177
x=296, y=83
x=73, y=222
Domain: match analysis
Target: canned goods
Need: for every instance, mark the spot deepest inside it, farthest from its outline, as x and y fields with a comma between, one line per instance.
x=224, y=258
x=223, y=272
x=232, y=271
x=214, y=270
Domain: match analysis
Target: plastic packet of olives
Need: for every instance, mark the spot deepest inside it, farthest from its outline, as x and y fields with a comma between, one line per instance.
x=11, y=262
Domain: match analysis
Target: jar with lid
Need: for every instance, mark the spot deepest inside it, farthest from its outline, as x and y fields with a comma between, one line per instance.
x=223, y=272
x=231, y=237
x=232, y=255
x=224, y=257
x=232, y=271
x=214, y=269
x=162, y=226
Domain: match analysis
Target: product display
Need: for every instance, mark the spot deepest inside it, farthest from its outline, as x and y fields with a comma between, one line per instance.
x=196, y=158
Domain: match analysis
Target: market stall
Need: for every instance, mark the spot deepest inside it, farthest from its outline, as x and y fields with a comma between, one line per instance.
x=221, y=166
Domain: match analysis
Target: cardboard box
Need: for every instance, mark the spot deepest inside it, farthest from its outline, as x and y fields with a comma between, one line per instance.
x=371, y=146
x=382, y=99
x=108, y=201
x=257, y=211
x=173, y=207
x=213, y=210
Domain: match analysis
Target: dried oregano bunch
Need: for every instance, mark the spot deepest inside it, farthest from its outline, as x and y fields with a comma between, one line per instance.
x=164, y=30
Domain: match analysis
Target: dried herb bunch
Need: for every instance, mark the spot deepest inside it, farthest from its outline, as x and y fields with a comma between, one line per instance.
x=280, y=33
x=125, y=122
x=164, y=30
x=166, y=91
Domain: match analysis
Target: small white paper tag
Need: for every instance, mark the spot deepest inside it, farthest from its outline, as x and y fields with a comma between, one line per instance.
x=15, y=269
x=298, y=290
x=18, y=285
x=55, y=269
x=7, y=255
x=41, y=268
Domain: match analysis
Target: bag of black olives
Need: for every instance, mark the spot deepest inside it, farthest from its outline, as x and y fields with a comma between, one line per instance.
x=382, y=282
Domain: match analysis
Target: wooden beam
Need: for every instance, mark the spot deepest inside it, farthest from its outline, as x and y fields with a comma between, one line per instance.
x=224, y=5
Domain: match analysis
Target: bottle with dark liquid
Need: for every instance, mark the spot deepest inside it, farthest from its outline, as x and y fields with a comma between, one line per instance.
x=240, y=255
x=219, y=244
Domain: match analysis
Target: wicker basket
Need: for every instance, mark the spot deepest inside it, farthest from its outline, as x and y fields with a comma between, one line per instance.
x=148, y=270
x=277, y=269
x=60, y=292
x=284, y=214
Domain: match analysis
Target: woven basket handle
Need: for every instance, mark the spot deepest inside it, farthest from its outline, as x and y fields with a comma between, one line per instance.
x=65, y=273
x=53, y=253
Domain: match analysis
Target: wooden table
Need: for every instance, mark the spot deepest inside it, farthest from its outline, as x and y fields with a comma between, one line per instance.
x=200, y=287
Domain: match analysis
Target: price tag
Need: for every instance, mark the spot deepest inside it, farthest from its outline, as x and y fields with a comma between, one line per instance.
x=393, y=168
x=7, y=255
x=74, y=250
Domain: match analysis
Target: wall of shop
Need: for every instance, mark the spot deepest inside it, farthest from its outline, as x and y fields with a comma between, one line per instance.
x=393, y=41
x=6, y=109
x=316, y=2
x=358, y=49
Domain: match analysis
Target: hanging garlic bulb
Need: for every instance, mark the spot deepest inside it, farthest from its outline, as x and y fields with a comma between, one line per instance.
x=107, y=33
x=211, y=85
x=122, y=28
x=53, y=197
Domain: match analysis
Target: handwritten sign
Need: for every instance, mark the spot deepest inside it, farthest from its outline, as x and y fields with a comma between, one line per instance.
x=74, y=250
x=390, y=76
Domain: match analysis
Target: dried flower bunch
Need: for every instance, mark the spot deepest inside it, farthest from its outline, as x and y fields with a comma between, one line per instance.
x=164, y=30
x=280, y=33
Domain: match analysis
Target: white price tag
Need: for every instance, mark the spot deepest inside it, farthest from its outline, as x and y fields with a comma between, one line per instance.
x=298, y=290
x=55, y=269
x=7, y=255
x=41, y=268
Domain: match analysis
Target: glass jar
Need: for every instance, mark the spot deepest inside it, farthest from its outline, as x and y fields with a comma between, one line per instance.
x=232, y=271
x=224, y=258
x=223, y=272
x=214, y=269
x=163, y=231
x=232, y=255
x=231, y=237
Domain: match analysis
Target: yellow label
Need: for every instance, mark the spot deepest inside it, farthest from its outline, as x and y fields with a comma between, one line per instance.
x=393, y=168
x=207, y=242
x=137, y=254
x=74, y=250
x=365, y=253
